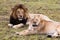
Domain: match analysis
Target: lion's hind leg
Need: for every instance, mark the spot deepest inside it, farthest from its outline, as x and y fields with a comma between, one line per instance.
x=58, y=30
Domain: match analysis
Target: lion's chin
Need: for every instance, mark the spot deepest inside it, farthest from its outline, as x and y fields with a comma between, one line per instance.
x=20, y=19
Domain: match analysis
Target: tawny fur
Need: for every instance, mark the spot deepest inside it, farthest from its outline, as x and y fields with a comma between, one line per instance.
x=45, y=27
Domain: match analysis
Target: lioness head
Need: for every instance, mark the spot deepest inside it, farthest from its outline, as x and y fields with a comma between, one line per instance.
x=35, y=21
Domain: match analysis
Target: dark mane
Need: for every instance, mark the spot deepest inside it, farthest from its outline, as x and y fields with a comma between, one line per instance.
x=13, y=16
x=18, y=6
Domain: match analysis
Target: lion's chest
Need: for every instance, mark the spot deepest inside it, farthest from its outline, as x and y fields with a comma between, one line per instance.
x=16, y=21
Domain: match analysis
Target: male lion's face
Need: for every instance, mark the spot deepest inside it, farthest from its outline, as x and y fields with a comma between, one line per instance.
x=20, y=13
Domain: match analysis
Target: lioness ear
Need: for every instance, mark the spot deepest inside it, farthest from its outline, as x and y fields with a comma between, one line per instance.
x=42, y=22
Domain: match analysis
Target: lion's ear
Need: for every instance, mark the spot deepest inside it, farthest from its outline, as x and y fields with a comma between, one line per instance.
x=26, y=9
x=42, y=21
x=12, y=9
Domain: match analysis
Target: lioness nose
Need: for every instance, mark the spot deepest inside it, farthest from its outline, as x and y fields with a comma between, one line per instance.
x=34, y=22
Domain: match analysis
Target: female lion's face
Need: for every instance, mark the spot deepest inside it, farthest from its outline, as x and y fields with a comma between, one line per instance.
x=20, y=13
x=35, y=21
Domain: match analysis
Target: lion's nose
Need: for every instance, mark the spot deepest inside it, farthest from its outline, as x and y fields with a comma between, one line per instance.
x=34, y=22
x=20, y=16
x=17, y=34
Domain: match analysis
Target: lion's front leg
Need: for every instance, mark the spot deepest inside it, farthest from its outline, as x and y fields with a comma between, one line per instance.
x=10, y=25
x=18, y=26
x=26, y=32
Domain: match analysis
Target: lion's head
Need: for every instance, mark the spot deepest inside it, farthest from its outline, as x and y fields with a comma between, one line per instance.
x=19, y=11
x=35, y=20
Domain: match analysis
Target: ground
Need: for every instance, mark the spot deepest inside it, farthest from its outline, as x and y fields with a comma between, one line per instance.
x=50, y=8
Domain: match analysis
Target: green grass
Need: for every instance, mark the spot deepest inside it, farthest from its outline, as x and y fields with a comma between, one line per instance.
x=50, y=8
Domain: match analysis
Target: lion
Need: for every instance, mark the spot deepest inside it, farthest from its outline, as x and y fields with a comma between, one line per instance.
x=41, y=26
x=20, y=16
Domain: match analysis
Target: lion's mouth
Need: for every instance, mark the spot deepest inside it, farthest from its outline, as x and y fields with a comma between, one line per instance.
x=34, y=25
x=20, y=17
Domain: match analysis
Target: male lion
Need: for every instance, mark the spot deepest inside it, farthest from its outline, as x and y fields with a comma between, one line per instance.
x=41, y=26
x=20, y=16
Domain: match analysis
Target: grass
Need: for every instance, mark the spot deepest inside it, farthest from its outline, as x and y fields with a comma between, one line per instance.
x=50, y=8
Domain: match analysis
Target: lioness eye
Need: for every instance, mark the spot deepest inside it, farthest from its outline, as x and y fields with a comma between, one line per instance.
x=36, y=19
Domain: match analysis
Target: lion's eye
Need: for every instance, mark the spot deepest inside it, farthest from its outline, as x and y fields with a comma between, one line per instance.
x=18, y=12
x=36, y=19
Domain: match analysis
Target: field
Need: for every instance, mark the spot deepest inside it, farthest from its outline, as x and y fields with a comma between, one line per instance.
x=50, y=8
